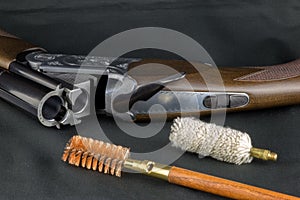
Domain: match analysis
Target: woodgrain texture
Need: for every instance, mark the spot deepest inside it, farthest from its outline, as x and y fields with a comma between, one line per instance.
x=201, y=78
x=222, y=187
x=10, y=47
x=4, y=33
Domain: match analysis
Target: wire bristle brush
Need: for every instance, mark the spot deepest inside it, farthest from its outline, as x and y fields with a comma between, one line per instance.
x=207, y=139
x=110, y=159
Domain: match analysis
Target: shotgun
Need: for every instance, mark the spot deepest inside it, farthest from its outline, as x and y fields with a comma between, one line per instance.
x=39, y=82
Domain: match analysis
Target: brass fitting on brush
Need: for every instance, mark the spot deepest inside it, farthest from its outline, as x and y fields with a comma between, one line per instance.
x=149, y=168
x=263, y=154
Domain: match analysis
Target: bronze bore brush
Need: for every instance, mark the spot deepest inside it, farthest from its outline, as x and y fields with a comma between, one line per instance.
x=110, y=159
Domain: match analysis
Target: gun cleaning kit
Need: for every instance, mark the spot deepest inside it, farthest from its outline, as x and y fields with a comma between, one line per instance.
x=43, y=84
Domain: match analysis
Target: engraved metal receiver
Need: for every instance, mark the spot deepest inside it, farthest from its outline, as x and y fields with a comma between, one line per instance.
x=120, y=89
x=124, y=96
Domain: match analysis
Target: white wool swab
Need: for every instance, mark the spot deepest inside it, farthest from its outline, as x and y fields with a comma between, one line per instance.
x=207, y=139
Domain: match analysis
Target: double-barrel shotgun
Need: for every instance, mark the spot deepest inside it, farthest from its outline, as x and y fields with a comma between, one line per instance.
x=61, y=89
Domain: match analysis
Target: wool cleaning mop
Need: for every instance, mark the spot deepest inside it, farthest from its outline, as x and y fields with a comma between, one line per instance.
x=207, y=139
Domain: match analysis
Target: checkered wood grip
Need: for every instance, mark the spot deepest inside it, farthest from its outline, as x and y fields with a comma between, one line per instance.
x=275, y=72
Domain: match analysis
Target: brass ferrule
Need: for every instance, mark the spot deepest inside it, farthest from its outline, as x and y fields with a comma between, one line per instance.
x=263, y=154
x=149, y=168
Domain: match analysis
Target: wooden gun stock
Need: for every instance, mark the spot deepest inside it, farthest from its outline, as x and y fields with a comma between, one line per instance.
x=10, y=47
x=267, y=86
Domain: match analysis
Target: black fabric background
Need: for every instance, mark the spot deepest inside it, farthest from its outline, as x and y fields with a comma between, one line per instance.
x=235, y=33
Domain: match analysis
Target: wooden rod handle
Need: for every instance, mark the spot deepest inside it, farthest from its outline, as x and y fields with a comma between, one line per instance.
x=222, y=187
